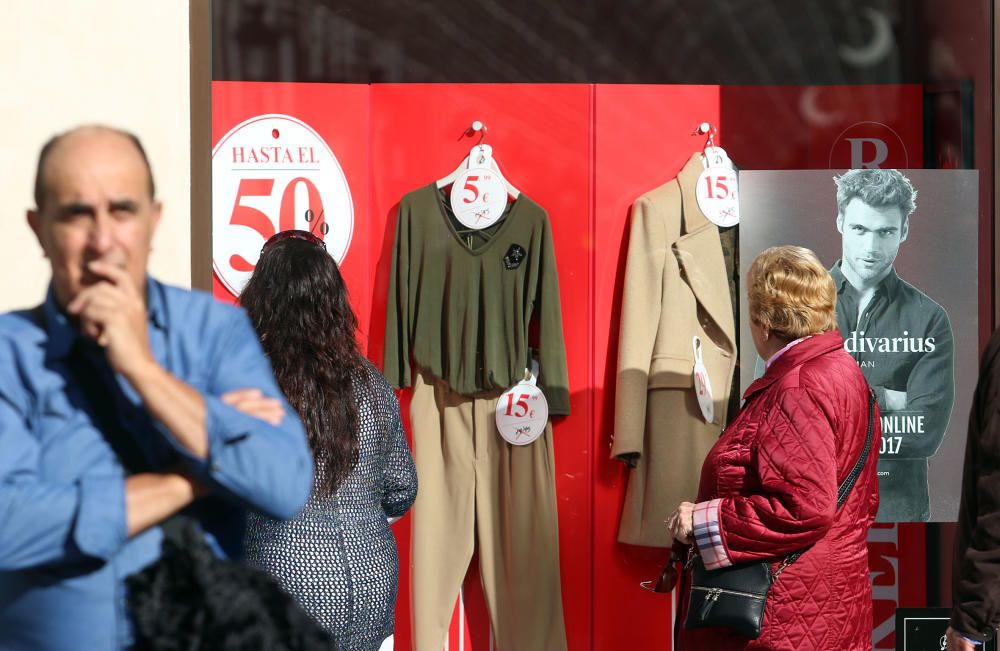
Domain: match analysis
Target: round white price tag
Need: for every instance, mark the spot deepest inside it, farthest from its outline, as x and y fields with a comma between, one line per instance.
x=522, y=412
x=478, y=197
x=702, y=385
x=718, y=196
x=718, y=188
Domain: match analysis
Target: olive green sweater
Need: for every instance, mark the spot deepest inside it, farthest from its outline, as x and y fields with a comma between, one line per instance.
x=461, y=302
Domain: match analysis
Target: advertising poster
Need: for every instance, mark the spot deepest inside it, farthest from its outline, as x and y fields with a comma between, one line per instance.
x=902, y=248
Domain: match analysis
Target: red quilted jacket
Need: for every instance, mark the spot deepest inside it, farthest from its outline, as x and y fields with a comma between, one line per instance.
x=770, y=484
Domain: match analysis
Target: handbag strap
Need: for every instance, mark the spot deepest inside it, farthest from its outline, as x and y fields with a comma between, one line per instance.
x=852, y=477
x=845, y=487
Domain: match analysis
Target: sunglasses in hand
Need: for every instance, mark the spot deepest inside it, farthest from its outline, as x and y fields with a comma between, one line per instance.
x=668, y=578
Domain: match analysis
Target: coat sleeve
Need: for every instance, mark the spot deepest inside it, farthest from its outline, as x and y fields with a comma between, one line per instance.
x=640, y=317
x=795, y=461
x=396, y=362
x=976, y=577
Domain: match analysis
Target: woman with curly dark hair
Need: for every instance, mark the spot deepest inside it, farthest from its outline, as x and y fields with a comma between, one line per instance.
x=338, y=557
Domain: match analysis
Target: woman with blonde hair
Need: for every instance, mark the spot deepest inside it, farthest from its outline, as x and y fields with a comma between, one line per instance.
x=790, y=486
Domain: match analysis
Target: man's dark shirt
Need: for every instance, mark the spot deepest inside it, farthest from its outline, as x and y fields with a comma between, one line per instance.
x=903, y=342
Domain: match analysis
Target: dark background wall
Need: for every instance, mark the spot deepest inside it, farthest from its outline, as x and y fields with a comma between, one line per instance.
x=608, y=41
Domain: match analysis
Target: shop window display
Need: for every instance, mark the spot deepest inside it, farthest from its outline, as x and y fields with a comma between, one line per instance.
x=590, y=108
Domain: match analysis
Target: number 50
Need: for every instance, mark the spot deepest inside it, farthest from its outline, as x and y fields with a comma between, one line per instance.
x=252, y=218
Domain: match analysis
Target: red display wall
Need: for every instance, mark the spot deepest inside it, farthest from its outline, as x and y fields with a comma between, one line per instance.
x=541, y=138
x=585, y=153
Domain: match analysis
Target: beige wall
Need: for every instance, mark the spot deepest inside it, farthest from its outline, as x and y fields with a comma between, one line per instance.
x=66, y=62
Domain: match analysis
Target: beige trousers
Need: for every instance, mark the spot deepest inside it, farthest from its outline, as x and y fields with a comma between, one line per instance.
x=477, y=488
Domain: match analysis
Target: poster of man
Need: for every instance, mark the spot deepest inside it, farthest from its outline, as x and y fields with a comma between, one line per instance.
x=906, y=274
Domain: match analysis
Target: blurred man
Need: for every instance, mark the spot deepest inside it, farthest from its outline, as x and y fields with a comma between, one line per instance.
x=122, y=402
x=901, y=339
x=976, y=568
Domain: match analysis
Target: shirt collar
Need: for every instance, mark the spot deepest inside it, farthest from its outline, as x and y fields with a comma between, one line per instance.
x=794, y=356
x=889, y=284
x=62, y=334
x=784, y=349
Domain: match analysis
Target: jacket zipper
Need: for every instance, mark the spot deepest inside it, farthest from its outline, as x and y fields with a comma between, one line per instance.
x=720, y=591
x=713, y=596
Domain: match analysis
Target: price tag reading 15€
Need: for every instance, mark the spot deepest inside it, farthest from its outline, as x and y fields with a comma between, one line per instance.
x=718, y=189
x=522, y=413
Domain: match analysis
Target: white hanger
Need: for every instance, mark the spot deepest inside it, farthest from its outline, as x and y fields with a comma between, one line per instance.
x=479, y=156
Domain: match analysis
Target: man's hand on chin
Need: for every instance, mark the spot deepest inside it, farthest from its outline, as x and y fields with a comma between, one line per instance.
x=113, y=313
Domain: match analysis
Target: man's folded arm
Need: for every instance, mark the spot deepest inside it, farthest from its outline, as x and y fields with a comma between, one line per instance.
x=264, y=466
x=930, y=391
x=52, y=522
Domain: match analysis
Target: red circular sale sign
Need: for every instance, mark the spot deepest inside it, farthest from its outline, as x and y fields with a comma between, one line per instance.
x=273, y=173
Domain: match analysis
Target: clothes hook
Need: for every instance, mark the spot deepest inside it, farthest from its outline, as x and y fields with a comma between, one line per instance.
x=480, y=128
x=703, y=129
x=476, y=127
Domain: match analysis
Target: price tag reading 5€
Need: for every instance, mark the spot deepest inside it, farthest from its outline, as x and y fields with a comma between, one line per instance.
x=522, y=412
x=702, y=385
x=478, y=197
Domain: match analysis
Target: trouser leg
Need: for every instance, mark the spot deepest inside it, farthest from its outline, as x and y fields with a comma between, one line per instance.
x=517, y=532
x=443, y=514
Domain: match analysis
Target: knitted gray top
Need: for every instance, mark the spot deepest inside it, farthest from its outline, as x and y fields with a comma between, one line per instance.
x=338, y=557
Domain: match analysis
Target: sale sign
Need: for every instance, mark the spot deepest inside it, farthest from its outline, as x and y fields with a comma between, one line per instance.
x=272, y=173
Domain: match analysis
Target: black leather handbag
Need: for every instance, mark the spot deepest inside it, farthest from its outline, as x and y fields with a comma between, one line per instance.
x=734, y=596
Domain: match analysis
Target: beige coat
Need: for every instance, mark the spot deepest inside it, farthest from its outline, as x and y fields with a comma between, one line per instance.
x=675, y=288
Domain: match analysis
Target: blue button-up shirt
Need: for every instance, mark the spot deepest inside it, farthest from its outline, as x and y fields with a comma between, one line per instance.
x=64, y=550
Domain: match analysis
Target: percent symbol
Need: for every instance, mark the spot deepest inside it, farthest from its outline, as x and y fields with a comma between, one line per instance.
x=310, y=215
